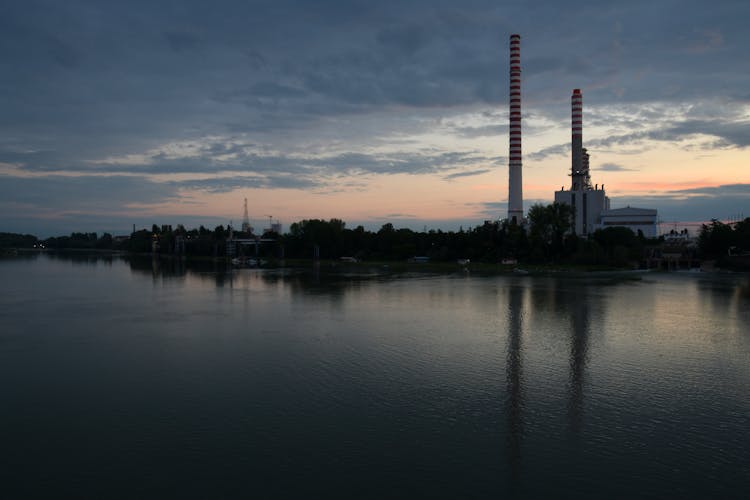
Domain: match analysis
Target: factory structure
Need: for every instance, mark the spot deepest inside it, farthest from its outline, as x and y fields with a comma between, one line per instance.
x=589, y=203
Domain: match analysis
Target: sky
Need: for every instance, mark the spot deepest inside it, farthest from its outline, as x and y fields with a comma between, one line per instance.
x=173, y=112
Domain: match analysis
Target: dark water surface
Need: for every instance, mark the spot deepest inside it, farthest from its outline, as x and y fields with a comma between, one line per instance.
x=140, y=379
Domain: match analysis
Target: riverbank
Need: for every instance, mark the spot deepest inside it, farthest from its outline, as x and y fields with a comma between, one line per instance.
x=378, y=266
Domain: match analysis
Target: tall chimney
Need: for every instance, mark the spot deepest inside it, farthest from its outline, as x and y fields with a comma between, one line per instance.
x=576, y=105
x=515, y=183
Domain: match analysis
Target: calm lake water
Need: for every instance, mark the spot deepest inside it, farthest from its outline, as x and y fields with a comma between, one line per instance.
x=139, y=379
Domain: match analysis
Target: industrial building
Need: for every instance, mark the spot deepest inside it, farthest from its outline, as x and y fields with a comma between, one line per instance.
x=636, y=219
x=589, y=202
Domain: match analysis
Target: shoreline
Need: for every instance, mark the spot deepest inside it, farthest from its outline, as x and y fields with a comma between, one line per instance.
x=391, y=267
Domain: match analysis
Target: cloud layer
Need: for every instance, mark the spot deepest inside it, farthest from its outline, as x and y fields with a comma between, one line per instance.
x=149, y=100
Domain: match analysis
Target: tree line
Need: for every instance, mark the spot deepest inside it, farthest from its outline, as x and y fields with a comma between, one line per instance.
x=547, y=240
x=728, y=244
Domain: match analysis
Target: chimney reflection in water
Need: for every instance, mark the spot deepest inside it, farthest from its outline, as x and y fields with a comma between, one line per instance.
x=579, y=303
x=513, y=377
x=580, y=329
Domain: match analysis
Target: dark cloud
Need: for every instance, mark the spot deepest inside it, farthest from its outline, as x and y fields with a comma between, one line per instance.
x=33, y=159
x=81, y=193
x=62, y=53
x=338, y=57
x=209, y=160
x=537, y=65
x=730, y=133
x=613, y=167
x=400, y=216
x=495, y=205
x=483, y=131
x=556, y=150
x=405, y=38
x=470, y=173
x=741, y=190
x=398, y=54
x=275, y=90
x=181, y=41
x=635, y=138
x=695, y=204
x=58, y=205
x=227, y=184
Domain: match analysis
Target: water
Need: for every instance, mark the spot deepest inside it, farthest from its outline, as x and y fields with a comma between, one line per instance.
x=140, y=379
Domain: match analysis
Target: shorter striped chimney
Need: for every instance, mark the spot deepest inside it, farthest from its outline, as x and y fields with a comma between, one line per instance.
x=576, y=108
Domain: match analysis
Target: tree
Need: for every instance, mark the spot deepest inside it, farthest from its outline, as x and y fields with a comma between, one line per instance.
x=715, y=239
x=305, y=235
x=515, y=241
x=140, y=241
x=220, y=233
x=620, y=244
x=13, y=240
x=742, y=234
x=549, y=223
x=105, y=242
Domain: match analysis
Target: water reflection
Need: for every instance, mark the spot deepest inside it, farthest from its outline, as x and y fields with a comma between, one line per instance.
x=513, y=377
x=486, y=383
x=168, y=269
x=743, y=289
x=76, y=258
x=741, y=300
x=722, y=300
x=576, y=305
x=313, y=280
x=580, y=303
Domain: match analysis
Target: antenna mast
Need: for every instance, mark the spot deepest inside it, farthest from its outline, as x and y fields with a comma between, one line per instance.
x=246, y=220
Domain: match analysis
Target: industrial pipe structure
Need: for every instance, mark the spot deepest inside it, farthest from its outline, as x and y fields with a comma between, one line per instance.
x=580, y=158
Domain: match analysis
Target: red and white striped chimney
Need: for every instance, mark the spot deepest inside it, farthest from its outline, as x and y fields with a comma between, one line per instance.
x=515, y=183
x=576, y=108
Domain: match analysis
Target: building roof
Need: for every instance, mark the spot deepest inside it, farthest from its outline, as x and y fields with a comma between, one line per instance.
x=628, y=211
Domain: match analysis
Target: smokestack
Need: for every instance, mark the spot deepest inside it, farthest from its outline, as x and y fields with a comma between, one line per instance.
x=515, y=183
x=576, y=107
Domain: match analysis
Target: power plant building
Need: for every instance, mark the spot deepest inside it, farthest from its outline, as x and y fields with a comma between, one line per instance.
x=635, y=219
x=587, y=206
x=589, y=203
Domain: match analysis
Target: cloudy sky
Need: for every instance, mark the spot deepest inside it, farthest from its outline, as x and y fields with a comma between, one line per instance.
x=133, y=112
